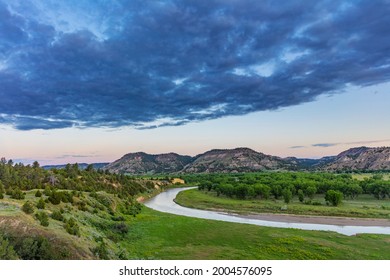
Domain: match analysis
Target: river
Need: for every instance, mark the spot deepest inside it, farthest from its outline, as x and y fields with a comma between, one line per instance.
x=164, y=202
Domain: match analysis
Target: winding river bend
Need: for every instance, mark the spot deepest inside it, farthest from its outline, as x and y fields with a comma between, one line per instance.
x=164, y=202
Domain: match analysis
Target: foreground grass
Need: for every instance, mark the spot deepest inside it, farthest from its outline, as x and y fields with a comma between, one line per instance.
x=363, y=207
x=155, y=235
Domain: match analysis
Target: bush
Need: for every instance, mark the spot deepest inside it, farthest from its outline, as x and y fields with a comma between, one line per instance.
x=56, y=215
x=38, y=193
x=333, y=197
x=18, y=194
x=47, y=191
x=28, y=207
x=72, y=227
x=101, y=250
x=7, y=251
x=43, y=218
x=41, y=204
x=121, y=228
x=55, y=198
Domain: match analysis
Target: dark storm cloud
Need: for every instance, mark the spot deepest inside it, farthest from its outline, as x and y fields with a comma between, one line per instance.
x=148, y=64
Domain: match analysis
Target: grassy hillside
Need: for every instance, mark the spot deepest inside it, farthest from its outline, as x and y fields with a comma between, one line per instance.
x=70, y=214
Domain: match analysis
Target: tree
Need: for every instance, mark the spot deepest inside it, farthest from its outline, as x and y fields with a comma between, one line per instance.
x=43, y=218
x=72, y=227
x=18, y=194
x=41, y=204
x=7, y=251
x=301, y=196
x=311, y=191
x=28, y=207
x=287, y=195
x=38, y=193
x=334, y=197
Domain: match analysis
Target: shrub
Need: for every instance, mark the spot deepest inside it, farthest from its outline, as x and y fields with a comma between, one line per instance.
x=333, y=197
x=47, y=191
x=121, y=228
x=55, y=198
x=7, y=251
x=72, y=227
x=101, y=251
x=41, y=204
x=56, y=215
x=38, y=193
x=18, y=194
x=28, y=207
x=43, y=218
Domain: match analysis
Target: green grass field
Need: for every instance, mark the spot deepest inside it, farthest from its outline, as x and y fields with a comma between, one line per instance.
x=364, y=207
x=155, y=235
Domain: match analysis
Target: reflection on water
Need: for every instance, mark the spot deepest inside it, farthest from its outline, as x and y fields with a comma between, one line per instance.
x=164, y=203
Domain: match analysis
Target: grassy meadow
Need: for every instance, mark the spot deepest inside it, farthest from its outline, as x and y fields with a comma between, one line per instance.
x=155, y=235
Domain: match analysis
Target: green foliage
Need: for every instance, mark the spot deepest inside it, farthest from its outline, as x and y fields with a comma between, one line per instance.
x=43, y=218
x=101, y=250
x=33, y=248
x=131, y=207
x=72, y=227
x=121, y=228
x=57, y=215
x=41, y=204
x=301, y=196
x=311, y=191
x=55, y=197
x=334, y=197
x=47, y=191
x=287, y=195
x=7, y=251
x=18, y=194
x=38, y=193
x=28, y=207
x=2, y=190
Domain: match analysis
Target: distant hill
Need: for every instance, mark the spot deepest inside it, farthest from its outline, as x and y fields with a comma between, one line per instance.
x=309, y=163
x=247, y=160
x=223, y=161
x=143, y=163
x=361, y=158
x=99, y=165
x=234, y=160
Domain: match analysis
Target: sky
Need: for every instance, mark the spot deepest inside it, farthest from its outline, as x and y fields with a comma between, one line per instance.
x=89, y=81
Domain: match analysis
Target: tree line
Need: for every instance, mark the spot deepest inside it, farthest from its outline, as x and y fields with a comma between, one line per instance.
x=285, y=185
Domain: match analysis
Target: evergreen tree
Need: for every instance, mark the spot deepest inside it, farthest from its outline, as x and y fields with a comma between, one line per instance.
x=7, y=251
x=41, y=204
